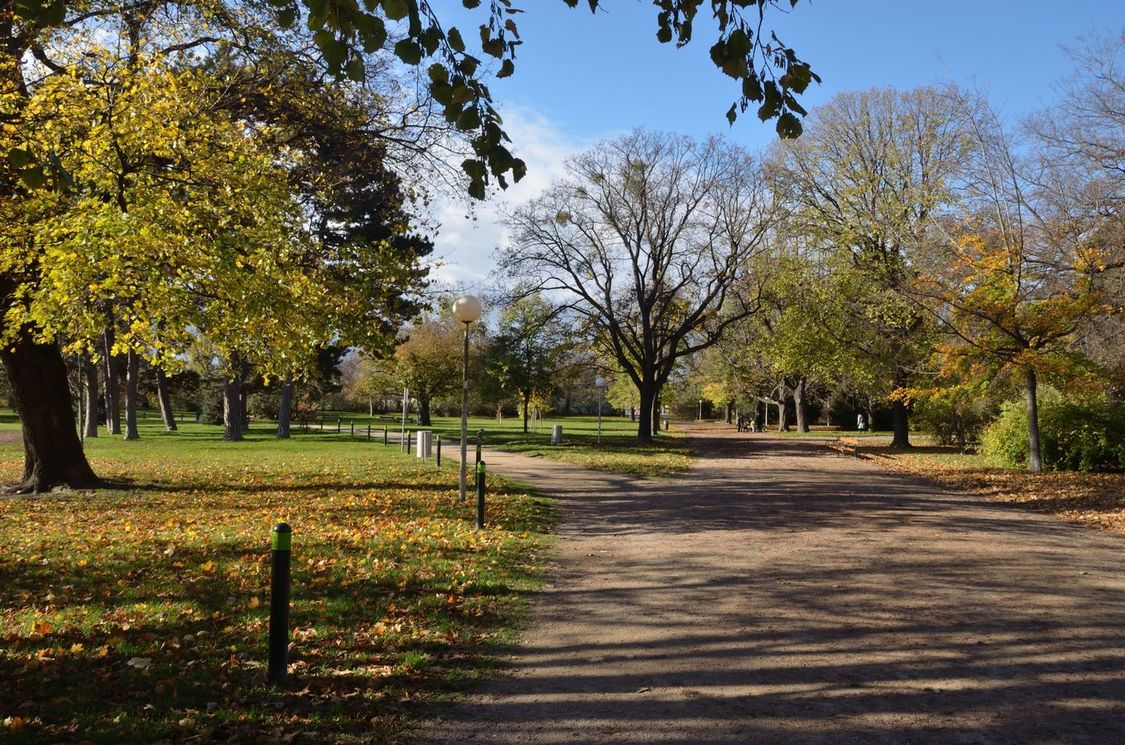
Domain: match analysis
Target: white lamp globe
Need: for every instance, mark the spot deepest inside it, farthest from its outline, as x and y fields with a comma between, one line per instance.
x=599, y=381
x=466, y=309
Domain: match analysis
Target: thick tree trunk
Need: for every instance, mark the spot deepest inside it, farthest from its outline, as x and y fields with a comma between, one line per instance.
x=729, y=412
x=166, y=413
x=132, y=373
x=52, y=450
x=111, y=366
x=1034, y=460
x=90, y=375
x=285, y=408
x=900, y=423
x=424, y=411
x=645, y=416
x=800, y=406
x=232, y=404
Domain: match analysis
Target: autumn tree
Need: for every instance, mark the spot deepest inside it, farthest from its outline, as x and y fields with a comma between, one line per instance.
x=1011, y=279
x=863, y=183
x=648, y=235
x=428, y=361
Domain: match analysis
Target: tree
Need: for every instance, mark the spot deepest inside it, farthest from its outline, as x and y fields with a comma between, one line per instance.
x=863, y=183
x=428, y=362
x=529, y=350
x=768, y=73
x=1011, y=280
x=648, y=236
x=365, y=278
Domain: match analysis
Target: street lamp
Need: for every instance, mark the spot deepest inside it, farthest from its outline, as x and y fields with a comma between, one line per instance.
x=466, y=309
x=600, y=383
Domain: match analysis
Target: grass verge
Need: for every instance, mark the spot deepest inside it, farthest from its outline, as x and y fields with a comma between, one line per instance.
x=139, y=614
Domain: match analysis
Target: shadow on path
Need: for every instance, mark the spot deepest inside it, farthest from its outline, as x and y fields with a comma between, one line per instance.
x=779, y=594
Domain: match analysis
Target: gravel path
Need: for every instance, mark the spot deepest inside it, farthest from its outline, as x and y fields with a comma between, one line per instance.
x=780, y=594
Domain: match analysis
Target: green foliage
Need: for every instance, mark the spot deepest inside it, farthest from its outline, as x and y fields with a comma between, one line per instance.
x=1084, y=435
x=953, y=417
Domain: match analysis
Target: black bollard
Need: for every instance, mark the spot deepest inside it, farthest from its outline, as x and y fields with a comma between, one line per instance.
x=438, y=458
x=338, y=425
x=353, y=429
x=277, y=671
x=369, y=431
x=384, y=434
x=480, y=495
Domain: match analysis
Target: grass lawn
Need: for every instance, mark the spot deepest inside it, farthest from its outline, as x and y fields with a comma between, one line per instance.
x=139, y=614
x=619, y=451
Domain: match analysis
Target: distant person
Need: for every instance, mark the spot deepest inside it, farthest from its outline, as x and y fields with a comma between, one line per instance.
x=861, y=422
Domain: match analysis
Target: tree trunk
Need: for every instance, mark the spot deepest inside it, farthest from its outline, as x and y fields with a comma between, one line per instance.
x=90, y=375
x=132, y=373
x=645, y=416
x=1034, y=460
x=232, y=403
x=424, y=411
x=730, y=409
x=112, y=385
x=52, y=451
x=526, y=399
x=285, y=408
x=656, y=410
x=166, y=412
x=800, y=406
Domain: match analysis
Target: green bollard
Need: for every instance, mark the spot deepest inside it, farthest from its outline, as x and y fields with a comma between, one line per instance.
x=480, y=495
x=277, y=670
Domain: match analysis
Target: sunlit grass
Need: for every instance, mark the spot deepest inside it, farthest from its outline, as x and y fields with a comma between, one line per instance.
x=139, y=613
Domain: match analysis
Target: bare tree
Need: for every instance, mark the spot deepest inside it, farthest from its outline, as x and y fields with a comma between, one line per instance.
x=648, y=239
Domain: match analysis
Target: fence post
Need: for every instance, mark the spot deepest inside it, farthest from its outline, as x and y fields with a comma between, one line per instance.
x=480, y=495
x=277, y=670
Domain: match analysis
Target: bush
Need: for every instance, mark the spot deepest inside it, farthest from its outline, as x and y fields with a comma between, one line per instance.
x=953, y=419
x=1073, y=436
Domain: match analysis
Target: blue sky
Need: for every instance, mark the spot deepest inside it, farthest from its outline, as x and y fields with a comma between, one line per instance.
x=581, y=77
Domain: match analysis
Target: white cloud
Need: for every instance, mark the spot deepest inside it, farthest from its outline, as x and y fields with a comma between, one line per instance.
x=466, y=243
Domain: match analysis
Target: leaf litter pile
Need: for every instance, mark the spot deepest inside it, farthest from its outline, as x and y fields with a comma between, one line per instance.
x=1095, y=499
x=140, y=614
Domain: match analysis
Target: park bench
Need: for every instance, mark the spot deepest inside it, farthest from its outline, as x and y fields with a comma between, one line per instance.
x=845, y=446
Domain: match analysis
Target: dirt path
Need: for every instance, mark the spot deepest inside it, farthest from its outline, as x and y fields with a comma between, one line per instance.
x=778, y=594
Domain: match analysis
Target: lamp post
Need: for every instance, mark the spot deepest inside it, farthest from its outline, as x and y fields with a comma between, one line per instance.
x=466, y=309
x=600, y=383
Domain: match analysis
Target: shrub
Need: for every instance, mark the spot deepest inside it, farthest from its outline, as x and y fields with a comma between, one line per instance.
x=1073, y=435
x=953, y=419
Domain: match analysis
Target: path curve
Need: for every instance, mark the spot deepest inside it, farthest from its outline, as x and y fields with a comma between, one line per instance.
x=780, y=594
